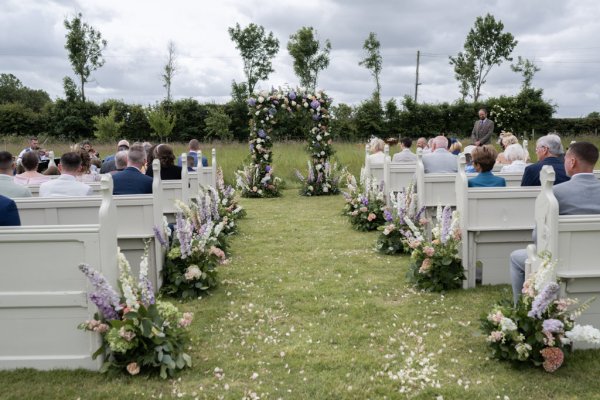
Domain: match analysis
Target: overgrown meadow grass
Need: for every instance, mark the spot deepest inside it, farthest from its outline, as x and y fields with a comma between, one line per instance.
x=308, y=310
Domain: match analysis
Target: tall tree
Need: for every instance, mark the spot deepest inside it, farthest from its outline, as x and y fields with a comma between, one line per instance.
x=373, y=60
x=160, y=121
x=106, y=127
x=486, y=45
x=527, y=68
x=309, y=57
x=257, y=50
x=169, y=69
x=85, y=46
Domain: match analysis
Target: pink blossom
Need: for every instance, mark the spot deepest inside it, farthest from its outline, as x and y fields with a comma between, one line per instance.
x=371, y=217
x=425, y=266
x=133, y=368
x=429, y=251
x=496, y=317
x=363, y=209
x=217, y=252
x=496, y=336
x=186, y=320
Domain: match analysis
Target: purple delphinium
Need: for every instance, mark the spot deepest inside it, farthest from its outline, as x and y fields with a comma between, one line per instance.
x=215, y=205
x=420, y=213
x=446, y=222
x=543, y=299
x=262, y=134
x=316, y=117
x=251, y=147
x=553, y=325
x=315, y=104
x=388, y=215
x=364, y=200
x=292, y=95
x=311, y=175
x=184, y=235
x=103, y=296
x=251, y=102
x=268, y=169
x=299, y=176
x=159, y=236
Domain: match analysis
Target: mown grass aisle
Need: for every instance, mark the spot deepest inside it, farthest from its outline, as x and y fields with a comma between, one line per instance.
x=307, y=310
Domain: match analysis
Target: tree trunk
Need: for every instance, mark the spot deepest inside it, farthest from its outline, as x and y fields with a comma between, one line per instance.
x=82, y=90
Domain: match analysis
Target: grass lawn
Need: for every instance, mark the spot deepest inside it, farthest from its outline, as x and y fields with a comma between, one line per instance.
x=307, y=310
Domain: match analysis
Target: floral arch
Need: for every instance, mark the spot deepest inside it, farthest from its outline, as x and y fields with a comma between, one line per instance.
x=258, y=179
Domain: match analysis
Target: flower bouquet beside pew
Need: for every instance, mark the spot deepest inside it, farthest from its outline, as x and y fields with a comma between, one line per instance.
x=196, y=251
x=230, y=209
x=396, y=234
x=323, y=178
x=541, y=325
x=435, y=265
x=365, y=202
x=139, y=333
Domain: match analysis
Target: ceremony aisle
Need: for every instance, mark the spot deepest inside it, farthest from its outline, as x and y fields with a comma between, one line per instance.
x=306, y=309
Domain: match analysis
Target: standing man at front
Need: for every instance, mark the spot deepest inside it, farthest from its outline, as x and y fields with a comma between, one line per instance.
x=483, y=129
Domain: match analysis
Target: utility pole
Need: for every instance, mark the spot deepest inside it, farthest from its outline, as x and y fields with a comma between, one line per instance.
x=417, y=78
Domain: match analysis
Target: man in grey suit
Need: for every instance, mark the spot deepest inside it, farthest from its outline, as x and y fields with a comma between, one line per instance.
x=580, y=195
x=482, y=130
x=405, y=155
x=440, y=160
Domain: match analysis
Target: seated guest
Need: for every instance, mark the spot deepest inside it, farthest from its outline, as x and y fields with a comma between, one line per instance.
x=469, y=168
x=194, y=151
x=8, y=187
x=578, y=196
x=190, y=163
x=514, y=154
x=109, y=162
x=121, y=161
x=87, y=147
x=131, y=180
x=9, y=214
x=377, y=155
x=484, y=158
x=30, y=162
x=506, y=139
x=422, y=144
x=168, y=169
x=88, y=171
x=405, y=154
x=52, y=170
x=549, y=151
x=440, y=160
x=66, y=184
x=455, y=147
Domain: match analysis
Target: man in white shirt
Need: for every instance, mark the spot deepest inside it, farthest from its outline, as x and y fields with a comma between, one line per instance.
x=66, y=184
x=405, y=154
x=440, y=160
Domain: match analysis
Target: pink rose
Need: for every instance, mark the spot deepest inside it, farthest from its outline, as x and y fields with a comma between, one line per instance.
x=429, y=251
x=371, y=217
x=133, y=368
x=426, y=266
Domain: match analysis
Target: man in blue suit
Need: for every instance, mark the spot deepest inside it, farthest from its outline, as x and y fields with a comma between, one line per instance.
x=194, y=151
x=131, y=180
x=549, y=151
x=9, y=215
x=578, y=196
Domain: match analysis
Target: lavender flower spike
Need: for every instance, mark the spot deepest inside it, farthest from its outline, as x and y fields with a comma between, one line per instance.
x=446, y=221
x=543, y=299
x=103, y=296
x=159, y=236
x=553, y=325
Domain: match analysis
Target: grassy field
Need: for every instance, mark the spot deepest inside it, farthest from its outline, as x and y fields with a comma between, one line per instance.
x=308, y=310
x=287, y=156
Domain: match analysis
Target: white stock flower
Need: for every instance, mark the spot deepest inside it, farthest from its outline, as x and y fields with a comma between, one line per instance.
x=507, y=325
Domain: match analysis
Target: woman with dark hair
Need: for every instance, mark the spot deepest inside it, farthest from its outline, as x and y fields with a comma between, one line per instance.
x=88, y=172
x=30, y=161
x=168, y=169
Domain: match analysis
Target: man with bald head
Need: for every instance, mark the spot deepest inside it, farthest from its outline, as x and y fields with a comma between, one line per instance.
x=440, y=160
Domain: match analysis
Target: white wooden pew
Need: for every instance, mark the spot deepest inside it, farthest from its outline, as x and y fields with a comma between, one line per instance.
x=137, y=215
x=43, y=294
x=494, y=222
x=206, y=176
x=573, y=240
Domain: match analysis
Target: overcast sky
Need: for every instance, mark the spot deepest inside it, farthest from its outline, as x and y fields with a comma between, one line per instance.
x=562, y=37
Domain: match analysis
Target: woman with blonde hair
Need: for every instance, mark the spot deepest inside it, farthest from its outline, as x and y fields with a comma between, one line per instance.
x=506, y=139
x=377, y=147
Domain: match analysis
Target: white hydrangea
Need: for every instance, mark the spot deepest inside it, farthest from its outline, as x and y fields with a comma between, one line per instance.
x=507, y=325
x=584, y=333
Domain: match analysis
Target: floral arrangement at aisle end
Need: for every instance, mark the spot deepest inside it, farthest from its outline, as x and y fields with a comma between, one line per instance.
x=321, y=180
x=365, y=202
x=253, y=181
x=396, y=234
x=229, y=208
x=139, y=333
x=435, y=265
x=540, y=326
x=198, y=247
